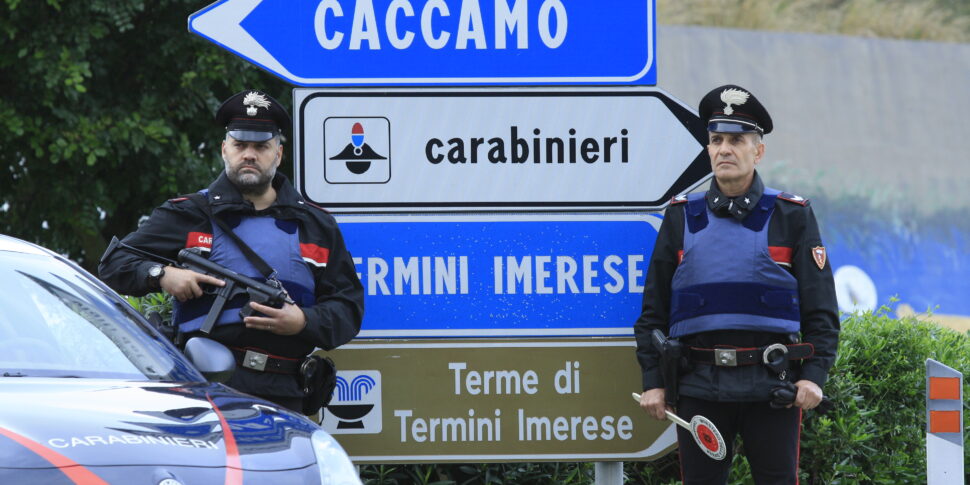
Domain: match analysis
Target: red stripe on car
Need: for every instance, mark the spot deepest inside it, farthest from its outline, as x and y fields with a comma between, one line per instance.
x=233, y=463
x=77, y=473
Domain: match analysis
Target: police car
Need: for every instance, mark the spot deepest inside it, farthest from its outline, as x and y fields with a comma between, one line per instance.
x=90, y=393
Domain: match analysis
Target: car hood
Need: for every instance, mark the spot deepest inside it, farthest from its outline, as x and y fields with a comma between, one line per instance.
x=48, y=422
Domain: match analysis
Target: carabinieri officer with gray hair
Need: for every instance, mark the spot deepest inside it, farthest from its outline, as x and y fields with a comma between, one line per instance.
x=252, y=221
x=740, y=287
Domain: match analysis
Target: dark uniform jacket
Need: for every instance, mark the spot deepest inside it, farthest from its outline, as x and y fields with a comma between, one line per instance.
x=792, y=226
x=332, y=321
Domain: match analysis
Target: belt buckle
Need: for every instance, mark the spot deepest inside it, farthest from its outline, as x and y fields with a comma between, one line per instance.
x=255, y=360
x=726, y=357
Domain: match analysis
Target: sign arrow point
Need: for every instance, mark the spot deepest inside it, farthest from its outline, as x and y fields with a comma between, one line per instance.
x=221, y=23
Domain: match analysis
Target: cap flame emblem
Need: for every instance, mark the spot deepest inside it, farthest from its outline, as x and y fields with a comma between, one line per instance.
x=255, y=100
x=733, y=96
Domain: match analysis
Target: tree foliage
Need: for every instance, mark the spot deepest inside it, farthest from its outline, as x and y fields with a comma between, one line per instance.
x=106, y=110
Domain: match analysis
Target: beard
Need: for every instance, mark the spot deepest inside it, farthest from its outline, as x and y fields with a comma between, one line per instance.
x=250, y=183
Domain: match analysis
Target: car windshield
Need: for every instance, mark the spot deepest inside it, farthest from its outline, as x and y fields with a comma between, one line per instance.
x=58, y=321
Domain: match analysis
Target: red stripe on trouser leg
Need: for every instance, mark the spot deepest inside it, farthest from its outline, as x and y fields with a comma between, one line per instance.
x=798, y=452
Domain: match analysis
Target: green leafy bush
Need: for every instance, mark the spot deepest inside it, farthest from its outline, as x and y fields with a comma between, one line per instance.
x=160, y=303
x=877, y=433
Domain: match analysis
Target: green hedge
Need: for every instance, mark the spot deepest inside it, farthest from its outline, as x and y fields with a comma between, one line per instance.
x=877, y=434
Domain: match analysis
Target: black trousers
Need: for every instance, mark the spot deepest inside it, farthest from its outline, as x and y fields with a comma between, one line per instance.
x=770, y=437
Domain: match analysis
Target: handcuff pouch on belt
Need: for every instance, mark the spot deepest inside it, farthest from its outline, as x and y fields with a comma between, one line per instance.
x=318, y=378
x=671, y=351
x=775, y=358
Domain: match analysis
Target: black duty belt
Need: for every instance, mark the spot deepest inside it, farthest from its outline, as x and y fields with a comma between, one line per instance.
x=735, y=356
x=259, y=360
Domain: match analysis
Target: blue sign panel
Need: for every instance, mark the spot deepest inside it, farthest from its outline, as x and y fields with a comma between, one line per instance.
x=498, y=276
x=439, y=42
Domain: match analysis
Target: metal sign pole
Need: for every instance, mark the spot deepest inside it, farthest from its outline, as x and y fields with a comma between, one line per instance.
x=608, y=473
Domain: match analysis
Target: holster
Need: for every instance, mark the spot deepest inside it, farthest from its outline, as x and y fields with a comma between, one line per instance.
x=318, y=378
x=671, y=351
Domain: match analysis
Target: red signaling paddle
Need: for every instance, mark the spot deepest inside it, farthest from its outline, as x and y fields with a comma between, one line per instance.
x=703, y=430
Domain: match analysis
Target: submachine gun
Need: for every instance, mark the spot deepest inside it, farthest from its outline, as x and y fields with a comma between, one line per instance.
x=270, y=293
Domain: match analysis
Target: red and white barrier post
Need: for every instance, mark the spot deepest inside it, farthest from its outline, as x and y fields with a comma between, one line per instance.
x=944, y=424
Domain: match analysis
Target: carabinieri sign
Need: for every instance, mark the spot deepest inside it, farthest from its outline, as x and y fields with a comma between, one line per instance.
x=624, y=148
x=438, y=42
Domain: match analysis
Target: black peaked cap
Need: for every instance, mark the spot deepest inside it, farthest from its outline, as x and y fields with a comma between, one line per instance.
x=252, y=115
x=733, y=109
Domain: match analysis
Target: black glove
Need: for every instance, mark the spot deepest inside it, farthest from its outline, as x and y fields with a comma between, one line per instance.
x=783, y=396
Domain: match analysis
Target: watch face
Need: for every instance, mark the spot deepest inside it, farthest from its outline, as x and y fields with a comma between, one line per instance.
x=155, y=271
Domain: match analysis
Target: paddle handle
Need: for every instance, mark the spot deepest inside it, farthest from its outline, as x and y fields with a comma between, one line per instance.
x=671, y=416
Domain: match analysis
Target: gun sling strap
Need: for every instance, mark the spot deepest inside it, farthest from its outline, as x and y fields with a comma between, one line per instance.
x=203, y=203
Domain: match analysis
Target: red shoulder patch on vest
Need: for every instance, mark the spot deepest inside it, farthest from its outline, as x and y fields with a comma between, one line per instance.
x=780, y=254
x=680, y=199
x=201, y=240
x=315, y=255
x=178, y=199
x=797, y=199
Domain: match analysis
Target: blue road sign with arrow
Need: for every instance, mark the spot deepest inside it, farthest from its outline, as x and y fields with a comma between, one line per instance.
x=439, y=42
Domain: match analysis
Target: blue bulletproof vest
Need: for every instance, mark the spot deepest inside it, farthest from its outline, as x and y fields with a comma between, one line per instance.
x=266, y=236
x=727, y=279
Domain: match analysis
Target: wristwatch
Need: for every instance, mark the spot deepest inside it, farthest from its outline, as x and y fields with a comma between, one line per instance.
x=155, y=274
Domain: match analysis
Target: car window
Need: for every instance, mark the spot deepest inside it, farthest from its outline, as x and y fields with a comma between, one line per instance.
x=60, y=322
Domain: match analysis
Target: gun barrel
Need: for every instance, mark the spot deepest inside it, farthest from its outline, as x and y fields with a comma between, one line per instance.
x=117, y=244
x=188, y=257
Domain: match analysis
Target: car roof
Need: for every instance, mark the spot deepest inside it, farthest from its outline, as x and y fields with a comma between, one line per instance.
x=12, y=244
